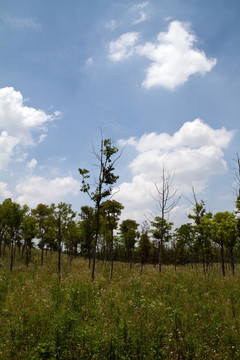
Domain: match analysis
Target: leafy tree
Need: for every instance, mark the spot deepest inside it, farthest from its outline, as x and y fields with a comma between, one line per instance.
x=13, y=214
x=73, y=239
x=144, y=245
x=184, y=236
x=225, y=235
x=129, y=235
x=111, y=210
x=161, y=233
x=63, y=213
x=199, y=213
x=44, y=217
x=3, y=226
x=29, y=231
x=103, y=186
x=87, y=229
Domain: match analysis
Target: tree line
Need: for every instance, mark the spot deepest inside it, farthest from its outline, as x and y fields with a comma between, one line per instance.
x=96, y=234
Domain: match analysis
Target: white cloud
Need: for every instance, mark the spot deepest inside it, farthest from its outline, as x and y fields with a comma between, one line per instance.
x=174, y=59
x=142, y=14
x=141, y=19
x=27, y=23
x=4, y=192
x=89, y=61
x=7, y=145
x=36, y=189
x=18, y=123
x=111, y=25
x=142, y=5
x=32, y=164
x=41, y=138
x=20, y=120
x=194, y=153
x=173, y=56
x=123, y=47
x=192, y=134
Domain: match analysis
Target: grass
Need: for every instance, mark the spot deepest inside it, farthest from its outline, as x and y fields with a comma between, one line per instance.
x=172, y=315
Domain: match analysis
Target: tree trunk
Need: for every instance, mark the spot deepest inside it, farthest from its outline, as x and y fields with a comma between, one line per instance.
x=27, y=255
x=42, y=254
x=95, y=241
x=160, y=255
x=232, y=261
x=12, y=255
x=222, y=259
x=111, y=255
x=203, y=257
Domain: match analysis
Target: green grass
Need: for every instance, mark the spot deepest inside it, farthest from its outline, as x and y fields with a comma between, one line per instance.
x=172, y=315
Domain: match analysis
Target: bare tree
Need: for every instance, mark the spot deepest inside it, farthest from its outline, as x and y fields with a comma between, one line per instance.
x=167, y=199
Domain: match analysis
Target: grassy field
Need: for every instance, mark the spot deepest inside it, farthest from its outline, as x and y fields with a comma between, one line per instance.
x=172, y=315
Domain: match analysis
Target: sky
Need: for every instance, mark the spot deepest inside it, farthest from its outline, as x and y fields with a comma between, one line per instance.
x=160, y=78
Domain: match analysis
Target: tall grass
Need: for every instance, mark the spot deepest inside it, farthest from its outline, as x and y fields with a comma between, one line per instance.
x=171, y=315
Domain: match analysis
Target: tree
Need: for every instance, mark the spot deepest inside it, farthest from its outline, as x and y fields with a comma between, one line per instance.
x=44, y=217
x=29, y=231
x=166, y=201
x=199, y=213
x=3, y=227
x=225, y=235
x=72, y=239
x=161, y=233
x=13, y=214
x=63, y=213
x=144, y=245
x=103, y=185
x=87, y=230
x=111, y=210
x=184, y=236
x=237, y=203
x=129, y=235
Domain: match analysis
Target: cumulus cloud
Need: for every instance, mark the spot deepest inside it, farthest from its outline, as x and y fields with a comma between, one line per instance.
x=4, y=192
x=194, y=154
x=174, y=57
x=123, y=47
x=32, y=164
x=36, y=189
x=20, y=120
x=18, y=123
x=7, y=145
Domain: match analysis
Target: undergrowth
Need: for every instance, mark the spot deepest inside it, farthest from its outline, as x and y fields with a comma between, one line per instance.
x=181, y=314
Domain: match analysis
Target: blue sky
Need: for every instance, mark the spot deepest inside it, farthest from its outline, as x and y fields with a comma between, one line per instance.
x=161, y=77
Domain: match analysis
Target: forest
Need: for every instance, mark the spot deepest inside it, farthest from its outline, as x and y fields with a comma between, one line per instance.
x=96, y=234
x=87, y=286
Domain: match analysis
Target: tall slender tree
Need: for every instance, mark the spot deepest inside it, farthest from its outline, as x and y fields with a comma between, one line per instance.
x=103, y=185
x=167, y=199
x=63, y=213
x=29, y=231
x=144, y=244
x=111, y=210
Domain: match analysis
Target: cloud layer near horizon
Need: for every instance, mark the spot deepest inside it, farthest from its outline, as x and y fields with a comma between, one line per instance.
x=194, y=154
x=173, y=57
